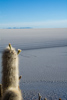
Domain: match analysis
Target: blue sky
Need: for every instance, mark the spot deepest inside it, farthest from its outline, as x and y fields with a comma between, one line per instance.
x=33, y=13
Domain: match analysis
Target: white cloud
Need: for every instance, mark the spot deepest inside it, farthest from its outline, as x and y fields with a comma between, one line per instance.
x=44, y=24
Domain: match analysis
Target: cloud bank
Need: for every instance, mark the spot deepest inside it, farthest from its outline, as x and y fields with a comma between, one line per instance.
x=43, y=24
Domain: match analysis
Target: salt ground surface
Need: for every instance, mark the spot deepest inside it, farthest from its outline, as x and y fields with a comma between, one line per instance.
x=42, y=62
x=49, y=90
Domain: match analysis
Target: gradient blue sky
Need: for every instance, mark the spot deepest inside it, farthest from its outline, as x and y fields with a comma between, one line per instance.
x=33, y=13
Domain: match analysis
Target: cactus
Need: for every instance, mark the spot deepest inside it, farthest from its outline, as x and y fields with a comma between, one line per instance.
x=10, y=46
x=18, y=51
x=10, y=74
x=1, y=91
x=12, y=94
x=60, y=99
x=20, y=77
x=10, y=71
x=39, y=96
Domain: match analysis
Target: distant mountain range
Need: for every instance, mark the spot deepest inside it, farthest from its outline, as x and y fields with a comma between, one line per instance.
x=19, y=27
